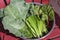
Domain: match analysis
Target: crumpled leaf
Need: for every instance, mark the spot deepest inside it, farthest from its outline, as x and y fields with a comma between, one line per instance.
x=14, y=13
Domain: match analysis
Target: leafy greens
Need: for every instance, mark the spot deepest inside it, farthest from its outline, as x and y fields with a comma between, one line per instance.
x=17, y=22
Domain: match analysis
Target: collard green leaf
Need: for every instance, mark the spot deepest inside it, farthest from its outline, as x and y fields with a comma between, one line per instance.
x=14, y=13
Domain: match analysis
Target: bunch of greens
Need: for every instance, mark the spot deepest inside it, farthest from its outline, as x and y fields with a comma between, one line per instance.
x=37, y=21
x=26, y=20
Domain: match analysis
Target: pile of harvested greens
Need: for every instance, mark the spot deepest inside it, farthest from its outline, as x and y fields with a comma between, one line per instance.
x=27, y=20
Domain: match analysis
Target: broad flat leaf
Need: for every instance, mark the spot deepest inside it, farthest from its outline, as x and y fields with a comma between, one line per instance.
x=14, y=13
